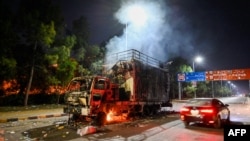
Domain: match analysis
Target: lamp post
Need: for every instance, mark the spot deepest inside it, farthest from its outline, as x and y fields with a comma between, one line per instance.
x=126, y=39
x=136, y=16
x=197, y=59
x=230, y=87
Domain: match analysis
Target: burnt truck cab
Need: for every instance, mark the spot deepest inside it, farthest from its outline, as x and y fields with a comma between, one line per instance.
x=84, y=96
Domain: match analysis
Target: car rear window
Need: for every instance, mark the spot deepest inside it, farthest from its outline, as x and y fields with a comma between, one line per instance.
x=199, y=102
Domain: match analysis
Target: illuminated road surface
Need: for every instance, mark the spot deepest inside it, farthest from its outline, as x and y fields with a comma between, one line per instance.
x=13, y=130
x=173, y=131
x=192, y=133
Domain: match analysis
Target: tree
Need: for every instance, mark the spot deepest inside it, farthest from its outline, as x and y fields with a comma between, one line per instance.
x=7, y=42
x=93, y=57
x=59, y=55
x=88, y=56
x=46, y=34
x=203, y=89
x=80, y=29
x=36, y=28
x=179, y=65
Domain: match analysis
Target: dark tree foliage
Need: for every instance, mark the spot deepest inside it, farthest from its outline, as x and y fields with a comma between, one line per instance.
x=7, y=43
x=31, y=17
x=87, y=55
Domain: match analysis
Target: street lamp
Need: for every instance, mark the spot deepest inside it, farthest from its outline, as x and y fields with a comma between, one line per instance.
x=197, y=59
x=230, y=85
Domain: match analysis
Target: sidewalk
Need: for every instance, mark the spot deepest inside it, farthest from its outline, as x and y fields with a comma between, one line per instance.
x=29, y=115
x=48, y=113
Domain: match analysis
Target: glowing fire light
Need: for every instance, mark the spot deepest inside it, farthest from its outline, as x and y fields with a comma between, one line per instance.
x=110, y=115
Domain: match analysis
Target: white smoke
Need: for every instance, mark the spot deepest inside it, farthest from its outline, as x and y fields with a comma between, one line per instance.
x=154, y=37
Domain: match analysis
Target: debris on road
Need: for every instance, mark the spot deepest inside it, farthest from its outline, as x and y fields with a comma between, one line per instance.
x=86, y=130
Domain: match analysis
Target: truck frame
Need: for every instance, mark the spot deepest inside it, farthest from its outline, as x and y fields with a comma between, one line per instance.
x=132, y=84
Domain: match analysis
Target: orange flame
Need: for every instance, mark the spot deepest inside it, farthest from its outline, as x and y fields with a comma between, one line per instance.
x=110, y=116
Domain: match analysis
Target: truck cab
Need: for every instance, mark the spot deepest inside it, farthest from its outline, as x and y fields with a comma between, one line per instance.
x=85, y=95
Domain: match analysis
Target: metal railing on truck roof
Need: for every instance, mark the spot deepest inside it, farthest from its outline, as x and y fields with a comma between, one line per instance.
x=133, y=55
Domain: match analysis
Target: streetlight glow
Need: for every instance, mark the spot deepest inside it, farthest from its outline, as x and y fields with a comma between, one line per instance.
x=145, y=28
x=197, y=59
x=137, y=15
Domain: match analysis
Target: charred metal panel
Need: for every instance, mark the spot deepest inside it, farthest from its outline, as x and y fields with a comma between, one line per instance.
x=140, y=82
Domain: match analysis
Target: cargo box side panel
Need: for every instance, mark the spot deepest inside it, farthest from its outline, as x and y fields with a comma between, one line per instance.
x=141, y=81
x=149, y=83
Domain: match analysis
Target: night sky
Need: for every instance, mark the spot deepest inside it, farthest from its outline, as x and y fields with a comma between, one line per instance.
x=217, y=30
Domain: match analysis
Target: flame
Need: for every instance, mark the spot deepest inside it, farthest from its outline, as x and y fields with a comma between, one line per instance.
x=13, y=87
x=110, y=116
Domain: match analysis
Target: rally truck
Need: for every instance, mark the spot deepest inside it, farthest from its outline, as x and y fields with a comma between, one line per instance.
x=132, y=84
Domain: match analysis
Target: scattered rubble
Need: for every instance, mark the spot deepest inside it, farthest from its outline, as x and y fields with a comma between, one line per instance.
x=87, y=130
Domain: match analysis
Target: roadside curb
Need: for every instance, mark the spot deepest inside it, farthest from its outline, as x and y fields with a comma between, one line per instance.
x=31, y=118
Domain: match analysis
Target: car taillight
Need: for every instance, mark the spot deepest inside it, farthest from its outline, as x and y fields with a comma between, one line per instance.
x=210, y=111
x=184, y=109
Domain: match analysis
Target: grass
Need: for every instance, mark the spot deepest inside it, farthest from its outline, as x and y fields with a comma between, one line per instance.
x=30, y=107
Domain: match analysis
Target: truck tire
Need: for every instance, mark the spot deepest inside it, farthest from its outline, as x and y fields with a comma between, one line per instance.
x=72, y=120
x=146, y=110
x=101, y=119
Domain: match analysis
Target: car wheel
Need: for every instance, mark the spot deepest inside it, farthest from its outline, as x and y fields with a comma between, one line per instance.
x=228, y=120
x=217, y=122
x=186, y=123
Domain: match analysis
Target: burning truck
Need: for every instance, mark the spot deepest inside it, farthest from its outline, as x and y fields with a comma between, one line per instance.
x=134, y=85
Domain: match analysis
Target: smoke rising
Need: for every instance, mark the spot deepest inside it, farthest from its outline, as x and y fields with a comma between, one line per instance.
x=157, y=35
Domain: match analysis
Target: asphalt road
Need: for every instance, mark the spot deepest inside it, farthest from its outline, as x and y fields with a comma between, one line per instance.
x=46, y=119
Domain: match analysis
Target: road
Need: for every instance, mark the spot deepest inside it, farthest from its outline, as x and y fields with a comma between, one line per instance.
x=48, y=130
x=13, y=131
x=168, y=128
x=177, y=132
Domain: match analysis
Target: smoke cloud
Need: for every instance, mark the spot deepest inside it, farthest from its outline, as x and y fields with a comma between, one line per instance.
x=157, y=35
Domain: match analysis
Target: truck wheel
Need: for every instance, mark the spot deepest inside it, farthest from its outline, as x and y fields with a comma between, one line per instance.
x=146, y=110
x=101, y=119
x=227, y=122
x=72, y=120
